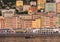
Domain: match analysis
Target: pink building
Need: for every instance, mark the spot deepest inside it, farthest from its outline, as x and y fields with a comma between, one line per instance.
x=57, y=1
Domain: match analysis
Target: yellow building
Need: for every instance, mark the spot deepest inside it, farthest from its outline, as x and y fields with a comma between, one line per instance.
x=41, y=4
x=42, y=21
x=40, y=7
x=19, y=3
x=36, y=23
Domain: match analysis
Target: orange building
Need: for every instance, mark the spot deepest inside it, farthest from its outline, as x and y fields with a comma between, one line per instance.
x=2, y=22
x=27, y=24
x=12, y=22
x=8, y=22
x=32, y=10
